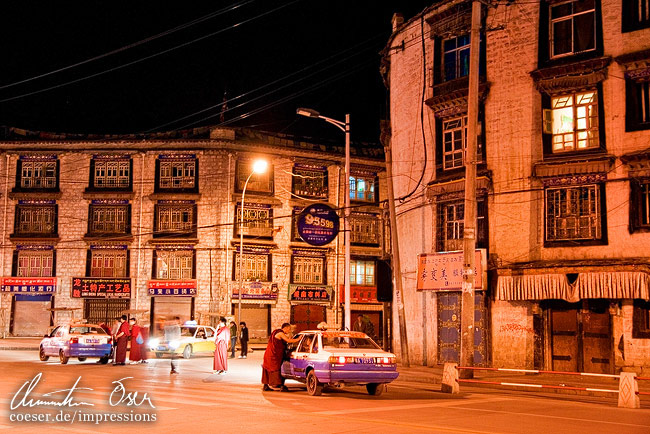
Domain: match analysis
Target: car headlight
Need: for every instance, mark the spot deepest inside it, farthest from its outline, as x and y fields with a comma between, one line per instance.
x=154, y=342
x=174, y=344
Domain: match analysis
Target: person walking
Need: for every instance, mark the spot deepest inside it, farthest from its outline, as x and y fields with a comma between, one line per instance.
x=221, y=349
x=243, y=339
x=233, y=339
x=172, y=335
x=122, y=337
x=273, y=357
x=144, y=351
x=135, y=355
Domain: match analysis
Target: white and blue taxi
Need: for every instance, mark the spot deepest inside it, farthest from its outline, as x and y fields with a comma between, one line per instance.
x=194, y=339
x=76, y=340
x=337, y=358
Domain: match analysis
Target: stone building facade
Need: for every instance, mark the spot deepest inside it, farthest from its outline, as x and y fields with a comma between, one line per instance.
x=562, y=179
x=94, y=227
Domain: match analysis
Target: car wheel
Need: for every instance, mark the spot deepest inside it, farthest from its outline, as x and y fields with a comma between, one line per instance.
x=64, y=359
x=81, y=359
x=314, y=387
x=187, y=351
x=375, y=389
x=159, y=355
x=42, y=356
x=104, y=360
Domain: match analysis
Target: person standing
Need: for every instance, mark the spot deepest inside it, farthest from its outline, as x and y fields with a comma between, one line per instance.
x=144, y=331
x=135, y=355
x=243, y=339
x=122, y=337
x=273, y=357
x=221, y=349
x=233, y=339
x=173, y=335
x=114, y=332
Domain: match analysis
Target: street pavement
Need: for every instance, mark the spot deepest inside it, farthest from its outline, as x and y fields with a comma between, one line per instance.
x=198, y=401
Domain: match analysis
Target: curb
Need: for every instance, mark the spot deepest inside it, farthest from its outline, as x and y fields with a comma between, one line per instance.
x=18, y=348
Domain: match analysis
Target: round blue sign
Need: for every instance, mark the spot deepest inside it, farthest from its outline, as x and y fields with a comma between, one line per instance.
x=318, y=224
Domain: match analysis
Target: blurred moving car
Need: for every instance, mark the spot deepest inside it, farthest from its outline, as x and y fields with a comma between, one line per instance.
x=337, y=358
x=194, y=339
x=76, y=340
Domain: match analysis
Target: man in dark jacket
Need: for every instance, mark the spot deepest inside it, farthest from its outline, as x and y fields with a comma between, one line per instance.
x=243, y=339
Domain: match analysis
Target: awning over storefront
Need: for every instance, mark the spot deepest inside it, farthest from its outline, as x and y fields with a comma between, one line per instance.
x=615, y=284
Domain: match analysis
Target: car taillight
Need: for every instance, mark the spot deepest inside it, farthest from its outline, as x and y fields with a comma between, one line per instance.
x=74, y=340
x=386, y=360
x=110, y=341
x=341, y=360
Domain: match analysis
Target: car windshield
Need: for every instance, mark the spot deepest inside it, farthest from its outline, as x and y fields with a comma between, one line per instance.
x=83, y=330
x=347, y=342
x=188, y=331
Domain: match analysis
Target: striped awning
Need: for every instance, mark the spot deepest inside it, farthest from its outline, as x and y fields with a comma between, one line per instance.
x=615, y=284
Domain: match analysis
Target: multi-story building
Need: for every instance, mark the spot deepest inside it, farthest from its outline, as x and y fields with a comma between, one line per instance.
x=562, y=179
x=96, y=226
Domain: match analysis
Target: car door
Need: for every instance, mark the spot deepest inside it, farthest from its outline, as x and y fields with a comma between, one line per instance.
x=59, y=339
x=200, y=340
x=48, y=342
x=300, y=357
x=210, y=335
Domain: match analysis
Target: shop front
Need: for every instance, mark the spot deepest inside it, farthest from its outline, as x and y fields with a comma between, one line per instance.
x=364, y=305
x=257, y=299
x=104, y=298
x=171, y=299
x=31, y=299
x=309, y=305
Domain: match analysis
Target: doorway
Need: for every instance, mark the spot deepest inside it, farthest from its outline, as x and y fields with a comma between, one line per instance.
x=307, y=316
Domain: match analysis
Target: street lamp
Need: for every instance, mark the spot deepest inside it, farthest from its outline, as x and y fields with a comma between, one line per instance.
x=259, y=167
x=345, y=127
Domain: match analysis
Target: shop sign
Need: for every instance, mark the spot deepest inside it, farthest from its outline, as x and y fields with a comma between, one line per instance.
x=359, y=294
x=318, y=224
x=256, y=290
x=101, y=287
x=444, y=271
x=29, y=285
x=310, y=293
x=179, y=288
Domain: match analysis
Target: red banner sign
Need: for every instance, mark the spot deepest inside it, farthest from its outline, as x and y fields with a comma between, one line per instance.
x=182, y=288
x=359, y=294
x=29, y=284
x=99, y=287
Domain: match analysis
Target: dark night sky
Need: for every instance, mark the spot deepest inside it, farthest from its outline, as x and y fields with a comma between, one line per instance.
x=314, y=40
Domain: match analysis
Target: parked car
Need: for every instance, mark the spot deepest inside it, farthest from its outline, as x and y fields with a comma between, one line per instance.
x=337, y=358
x=76, y=340
x=194, y=339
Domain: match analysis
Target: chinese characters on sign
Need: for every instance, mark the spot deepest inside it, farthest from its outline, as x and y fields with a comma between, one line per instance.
x=27, y=285
x=257, y=290
x=444, y=271
x=318, y=224
x=310, y=293
x=181, y=288
x=359, y=294
x=98, y=287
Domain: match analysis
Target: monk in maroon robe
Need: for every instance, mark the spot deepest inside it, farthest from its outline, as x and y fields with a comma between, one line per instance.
x=135, y=355
x=122, y=337
x=273, y=357
x=221, y=350
x=143, y=347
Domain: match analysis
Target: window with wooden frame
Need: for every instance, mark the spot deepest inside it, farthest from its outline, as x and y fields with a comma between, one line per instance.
x=256, y=266
x=36, y=220
x=455, y=57
x=108, y=263
x=310, y=181
x=574, y=213
x=258, y=220
x=34, y=263
x=451, y=224
x=261, y=183
x=308, y=269
x=38, y=174
x=365, y=229
x=177, y=174
x=572, y=27
x=640, y=205
x=363, y=187
x=174, y=264
x=109, y=219
x=111, y=174
x=573, y=122
x=641, y=320
x=637, y=105
x=636, y=15
x=178, y=219
x=362, y=272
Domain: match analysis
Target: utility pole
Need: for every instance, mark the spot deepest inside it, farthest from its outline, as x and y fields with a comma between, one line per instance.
x=469, y=230
x=395, y=263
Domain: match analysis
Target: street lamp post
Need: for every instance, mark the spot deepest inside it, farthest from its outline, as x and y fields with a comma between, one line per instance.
x=259, y=167
x=345, y=127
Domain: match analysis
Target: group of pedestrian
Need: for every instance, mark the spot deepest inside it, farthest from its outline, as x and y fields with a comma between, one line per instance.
x=126, y=329
x=228, y=335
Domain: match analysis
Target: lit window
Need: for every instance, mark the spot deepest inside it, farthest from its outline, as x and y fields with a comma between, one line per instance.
x=362, y=189
x=574, y=121
x=362, y=273
x=174, y=265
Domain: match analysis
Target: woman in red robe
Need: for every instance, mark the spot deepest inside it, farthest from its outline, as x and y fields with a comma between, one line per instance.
x=122, y=337
x=144, y=331
x=135, y=355
x=221, y=350
x=273, y=357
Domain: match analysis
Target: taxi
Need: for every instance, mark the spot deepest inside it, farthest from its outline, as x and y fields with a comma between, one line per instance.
x=76, y=340
x=339, y=358
x=194, y=339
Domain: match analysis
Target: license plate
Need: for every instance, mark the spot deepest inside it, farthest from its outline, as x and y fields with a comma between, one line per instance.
x=161, y=348
x=364, y=360
x=92, y=341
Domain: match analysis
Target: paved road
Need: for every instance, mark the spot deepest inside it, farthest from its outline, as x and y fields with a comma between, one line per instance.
x=197, y=401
